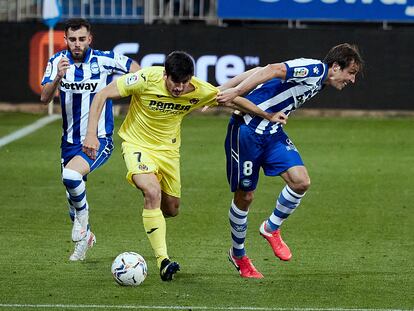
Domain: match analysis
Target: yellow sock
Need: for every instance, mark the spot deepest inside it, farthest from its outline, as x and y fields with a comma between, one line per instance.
x=155, y=227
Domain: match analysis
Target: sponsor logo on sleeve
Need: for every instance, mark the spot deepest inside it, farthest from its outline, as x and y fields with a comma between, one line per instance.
x=132, y=80
x=300, y=72
x=48, y=71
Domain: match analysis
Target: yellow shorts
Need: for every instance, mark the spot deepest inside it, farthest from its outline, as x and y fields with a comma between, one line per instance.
x=164, y=164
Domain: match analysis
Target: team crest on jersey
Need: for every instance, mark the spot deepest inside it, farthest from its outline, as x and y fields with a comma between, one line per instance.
x=194, y=101
x=48, y=71
x=300, y=72
x=132, y=80
x=94, y=68
x=143, y=167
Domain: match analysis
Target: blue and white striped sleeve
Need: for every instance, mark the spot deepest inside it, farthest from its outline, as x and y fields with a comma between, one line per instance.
x=302, y=68
x=122, y=63
x=51, y=69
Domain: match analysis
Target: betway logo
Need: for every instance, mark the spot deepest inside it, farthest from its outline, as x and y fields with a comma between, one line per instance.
x=79, y=86
x=224, y=67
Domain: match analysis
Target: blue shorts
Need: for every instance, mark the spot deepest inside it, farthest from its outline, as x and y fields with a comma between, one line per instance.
x=68, y=151
x=247, y=152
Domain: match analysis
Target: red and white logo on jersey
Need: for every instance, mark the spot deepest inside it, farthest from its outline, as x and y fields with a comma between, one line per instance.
x=132, y=79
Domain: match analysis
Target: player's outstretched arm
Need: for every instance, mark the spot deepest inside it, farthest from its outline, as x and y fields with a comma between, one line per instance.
x=259, y=76
x=91, y=142
x=238, y=79
x=134, y=67
x=245, y=105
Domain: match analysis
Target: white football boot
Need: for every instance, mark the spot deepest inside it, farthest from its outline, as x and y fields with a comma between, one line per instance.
x=80, y=225
x=82, y=247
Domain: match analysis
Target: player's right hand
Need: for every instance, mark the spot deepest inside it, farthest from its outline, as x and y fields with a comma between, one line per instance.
x=63, y=66
x=90, y=146
x=227, y=95
x=279, y=117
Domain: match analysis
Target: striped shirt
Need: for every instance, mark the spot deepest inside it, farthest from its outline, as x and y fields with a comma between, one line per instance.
x=304, y=79
x=78, y=87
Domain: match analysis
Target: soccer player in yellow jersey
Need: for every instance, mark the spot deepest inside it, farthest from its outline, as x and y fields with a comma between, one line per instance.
x=160, y=98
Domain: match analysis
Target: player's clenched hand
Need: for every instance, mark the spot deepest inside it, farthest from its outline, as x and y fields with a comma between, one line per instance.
x=63, y=66
x=279, y=117
x=227, y=95
x=90, y=146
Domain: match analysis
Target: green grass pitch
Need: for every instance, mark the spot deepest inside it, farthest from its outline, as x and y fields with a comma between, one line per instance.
x=352, y=238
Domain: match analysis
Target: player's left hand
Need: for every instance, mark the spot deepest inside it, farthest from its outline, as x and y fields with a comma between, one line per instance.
x=279, y=117
x=90, y=146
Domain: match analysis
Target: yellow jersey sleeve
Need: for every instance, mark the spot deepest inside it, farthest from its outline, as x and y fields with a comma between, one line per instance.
x=204, y=91
x=132, y=83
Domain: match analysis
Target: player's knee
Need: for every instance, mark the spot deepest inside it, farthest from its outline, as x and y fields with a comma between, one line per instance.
x=301, y=186
x=71, y=178
x=170, y=208
x=170, y=211
x=243, y=199
x=152, y=194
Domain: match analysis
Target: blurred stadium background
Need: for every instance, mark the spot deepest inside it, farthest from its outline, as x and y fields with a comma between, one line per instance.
x=225, y=37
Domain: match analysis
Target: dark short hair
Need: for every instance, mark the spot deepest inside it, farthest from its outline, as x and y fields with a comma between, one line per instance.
x=179, y=66
x=77, y=23
x=343, y=54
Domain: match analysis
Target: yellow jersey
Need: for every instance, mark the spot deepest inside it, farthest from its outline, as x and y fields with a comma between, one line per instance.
x=154, y=116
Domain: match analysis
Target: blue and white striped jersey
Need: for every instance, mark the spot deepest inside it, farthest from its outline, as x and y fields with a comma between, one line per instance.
x=78, y=87
x=304, y=79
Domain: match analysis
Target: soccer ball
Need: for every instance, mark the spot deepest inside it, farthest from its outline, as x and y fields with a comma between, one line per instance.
x=129, y=269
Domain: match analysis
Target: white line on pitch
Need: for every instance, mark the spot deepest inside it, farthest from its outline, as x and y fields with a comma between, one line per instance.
x=28, y=129
x=137, y=307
